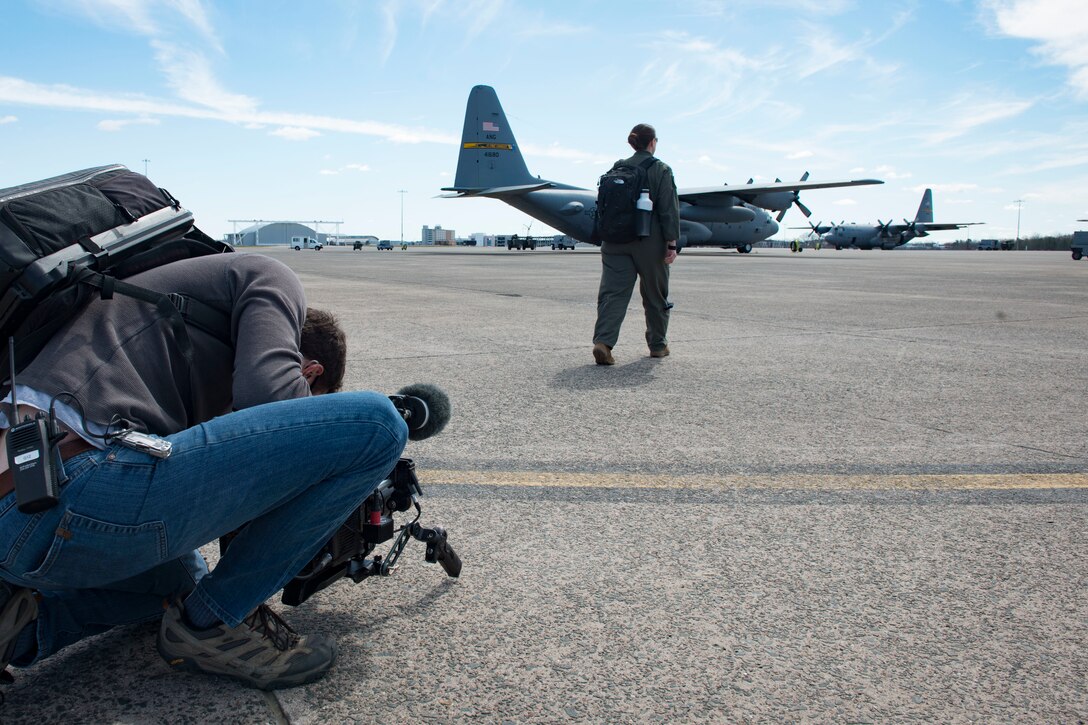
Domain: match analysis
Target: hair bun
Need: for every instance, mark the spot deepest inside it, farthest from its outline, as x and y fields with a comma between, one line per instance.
x=641, y=136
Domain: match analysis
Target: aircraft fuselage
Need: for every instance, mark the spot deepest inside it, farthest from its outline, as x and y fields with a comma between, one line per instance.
x=864, y=236
x=572, y=211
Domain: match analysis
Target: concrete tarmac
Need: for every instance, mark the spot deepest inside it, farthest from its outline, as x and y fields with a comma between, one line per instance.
x=855, y=492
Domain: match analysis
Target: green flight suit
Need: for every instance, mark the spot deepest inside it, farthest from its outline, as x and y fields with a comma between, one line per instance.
x=644, y=259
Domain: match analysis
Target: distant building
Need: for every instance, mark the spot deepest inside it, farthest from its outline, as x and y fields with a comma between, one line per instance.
x=272, y=234
x=438, y=235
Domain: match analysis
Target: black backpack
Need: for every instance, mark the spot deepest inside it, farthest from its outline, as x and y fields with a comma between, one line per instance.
x=62, y=240
x=617, y=192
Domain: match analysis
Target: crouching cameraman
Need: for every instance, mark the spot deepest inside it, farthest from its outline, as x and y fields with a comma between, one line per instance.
x=255, y=443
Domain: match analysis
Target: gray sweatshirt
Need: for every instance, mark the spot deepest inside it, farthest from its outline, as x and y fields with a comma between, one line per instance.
x=119, y=356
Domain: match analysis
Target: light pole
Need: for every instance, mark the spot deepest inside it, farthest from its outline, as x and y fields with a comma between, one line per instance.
x=146, y=162
x=1019, y=203
x=402, y=192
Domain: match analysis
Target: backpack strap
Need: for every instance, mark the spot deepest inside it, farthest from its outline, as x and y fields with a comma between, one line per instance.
x=645, y=164
x=177, y=308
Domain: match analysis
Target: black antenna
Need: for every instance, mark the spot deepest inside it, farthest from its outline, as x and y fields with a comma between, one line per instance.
x=11, y=361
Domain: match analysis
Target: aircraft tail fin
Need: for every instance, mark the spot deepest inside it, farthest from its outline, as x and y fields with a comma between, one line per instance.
x=489, y=156
x=925, y=209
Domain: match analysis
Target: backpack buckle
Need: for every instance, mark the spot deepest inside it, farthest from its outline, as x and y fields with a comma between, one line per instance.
x=180, y=302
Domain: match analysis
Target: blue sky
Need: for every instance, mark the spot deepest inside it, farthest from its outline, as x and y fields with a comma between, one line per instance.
x=327, y=109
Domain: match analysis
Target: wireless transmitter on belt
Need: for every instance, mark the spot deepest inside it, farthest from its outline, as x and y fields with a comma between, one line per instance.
x=33, y=458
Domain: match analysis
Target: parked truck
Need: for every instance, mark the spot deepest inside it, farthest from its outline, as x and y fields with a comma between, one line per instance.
x=1079, y=245
x=515, y=242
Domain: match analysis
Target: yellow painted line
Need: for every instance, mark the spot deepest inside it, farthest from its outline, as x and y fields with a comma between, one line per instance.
x=875, y=482
x=498, y=146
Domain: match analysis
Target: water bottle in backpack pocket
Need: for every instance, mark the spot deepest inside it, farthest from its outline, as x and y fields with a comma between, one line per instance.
x=618, y=193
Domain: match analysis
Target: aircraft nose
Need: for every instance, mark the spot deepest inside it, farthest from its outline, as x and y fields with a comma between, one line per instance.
x=772, y=225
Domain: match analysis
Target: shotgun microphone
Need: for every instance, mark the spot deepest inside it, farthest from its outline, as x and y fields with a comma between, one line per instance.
x=424, y=407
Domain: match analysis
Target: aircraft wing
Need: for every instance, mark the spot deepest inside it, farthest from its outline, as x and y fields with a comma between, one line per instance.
x=817, y=228
x=495, y=191
x=945, y=226
x=708, y=195
x=924, y=228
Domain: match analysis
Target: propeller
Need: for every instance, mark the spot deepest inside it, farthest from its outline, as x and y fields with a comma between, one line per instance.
x=884, y=227
x=796, y=201
x=917, y=228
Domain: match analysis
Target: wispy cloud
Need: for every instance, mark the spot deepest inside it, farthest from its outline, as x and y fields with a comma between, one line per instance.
x=1066, y=160
x=695, y=67
x=120, y=124
x=1059, y=26
x=345, y=167
x=294, y=133
x=553, y=30
x=194, y=12
x=134, y=16
x=471, y=17
x=708, y=162
x=8, y=119
x=826, y=49
x=19, y=92
x=887, y=172
x=153, y=18
x=557, y=151
x=388, y=40
x=190, y=75
x=951, y=188
x=967, y=112
x=717, y=8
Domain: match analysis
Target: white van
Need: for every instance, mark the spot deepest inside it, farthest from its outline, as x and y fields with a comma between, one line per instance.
x=300, y=243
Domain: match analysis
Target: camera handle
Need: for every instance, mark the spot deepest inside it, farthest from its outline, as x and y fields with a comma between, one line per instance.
x=438, y=551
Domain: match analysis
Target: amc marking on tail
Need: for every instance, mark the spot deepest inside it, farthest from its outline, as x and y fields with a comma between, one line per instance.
x=500, y=146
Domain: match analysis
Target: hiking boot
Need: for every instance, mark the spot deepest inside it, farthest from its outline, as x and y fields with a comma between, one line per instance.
x=18, y=608
x=603, y=354
x=261, y=652
x=663, y=352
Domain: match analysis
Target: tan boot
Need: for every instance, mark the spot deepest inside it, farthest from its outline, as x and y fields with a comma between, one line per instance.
x=603, y=354
x=663, y=352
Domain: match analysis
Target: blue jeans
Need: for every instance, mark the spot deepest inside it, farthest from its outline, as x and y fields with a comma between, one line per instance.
x=125, y=533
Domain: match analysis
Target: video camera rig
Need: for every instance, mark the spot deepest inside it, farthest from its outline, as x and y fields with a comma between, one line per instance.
x=348, y=552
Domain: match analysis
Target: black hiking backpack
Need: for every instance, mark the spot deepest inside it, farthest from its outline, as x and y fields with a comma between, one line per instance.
x=617, y=192
x=65, y=239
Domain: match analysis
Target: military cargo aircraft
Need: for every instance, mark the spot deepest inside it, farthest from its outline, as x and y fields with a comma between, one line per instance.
x=491, y=165
x=884, y=235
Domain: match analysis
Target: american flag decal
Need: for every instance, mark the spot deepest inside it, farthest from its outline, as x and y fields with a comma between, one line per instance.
x=488, y=126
